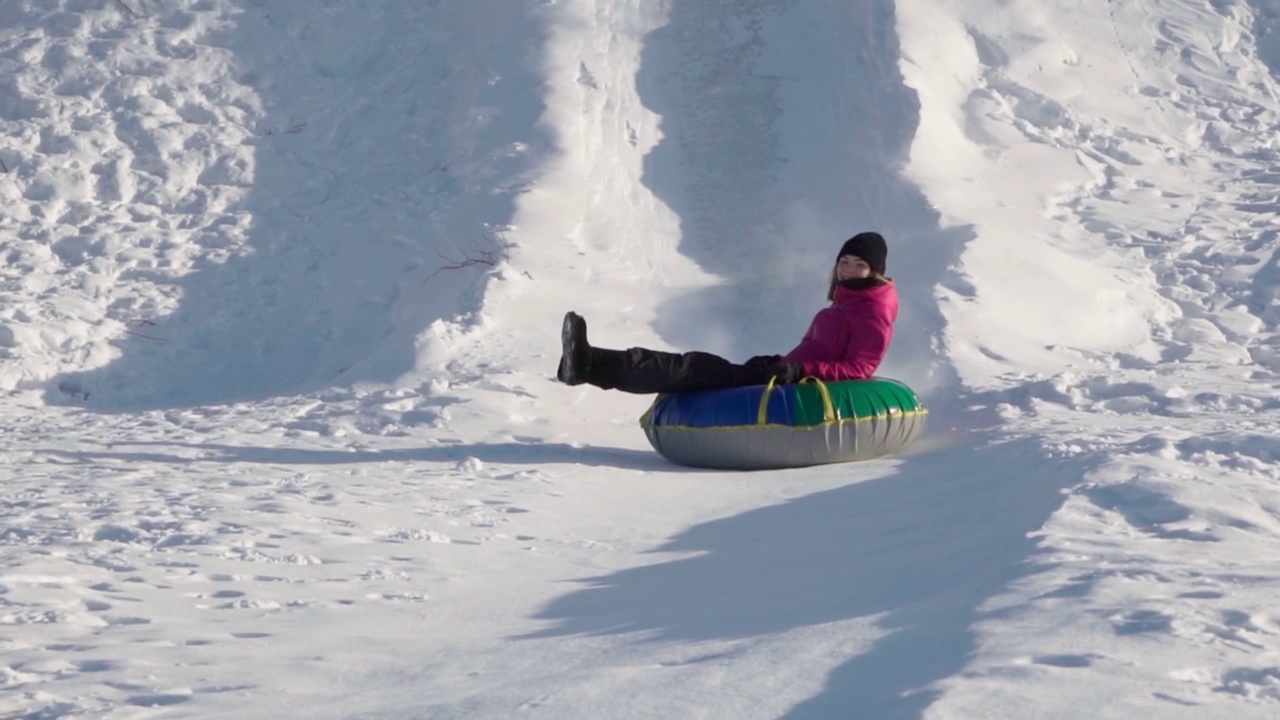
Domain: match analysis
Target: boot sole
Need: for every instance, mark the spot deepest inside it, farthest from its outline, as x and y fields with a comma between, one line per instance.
x=568, y=373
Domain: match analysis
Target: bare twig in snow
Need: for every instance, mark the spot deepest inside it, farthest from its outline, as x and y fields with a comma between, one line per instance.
x=293, y=129
x=3, y=167
x=127, y=9
x=482, y=255
x=145, y=336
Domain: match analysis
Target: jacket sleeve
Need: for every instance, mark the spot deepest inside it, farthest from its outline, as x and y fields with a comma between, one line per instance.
x=867, y=343
x=826, y=339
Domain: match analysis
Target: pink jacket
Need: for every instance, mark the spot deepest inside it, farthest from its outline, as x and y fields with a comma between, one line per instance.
x=848, y=340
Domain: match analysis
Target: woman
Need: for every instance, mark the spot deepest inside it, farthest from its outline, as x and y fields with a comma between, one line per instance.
x=846, y=341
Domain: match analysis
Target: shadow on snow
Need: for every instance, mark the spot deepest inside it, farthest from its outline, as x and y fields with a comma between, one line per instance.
x=388, y=149
x=925, y=546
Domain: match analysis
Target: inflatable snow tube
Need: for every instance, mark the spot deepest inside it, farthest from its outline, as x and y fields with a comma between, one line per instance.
x=763, y=427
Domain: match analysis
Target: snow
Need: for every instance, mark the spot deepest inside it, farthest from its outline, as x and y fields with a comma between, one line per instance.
x=279, y=321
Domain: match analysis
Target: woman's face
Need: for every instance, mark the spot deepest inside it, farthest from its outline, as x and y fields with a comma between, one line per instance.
x=852, y=267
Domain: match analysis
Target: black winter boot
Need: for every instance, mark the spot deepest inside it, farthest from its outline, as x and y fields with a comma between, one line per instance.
x=575, y=352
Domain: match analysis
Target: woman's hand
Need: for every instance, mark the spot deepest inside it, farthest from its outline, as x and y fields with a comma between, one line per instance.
x=787, y=372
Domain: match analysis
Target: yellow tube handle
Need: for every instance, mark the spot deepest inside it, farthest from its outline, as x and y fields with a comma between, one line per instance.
x=828, y=407
x=762, y=415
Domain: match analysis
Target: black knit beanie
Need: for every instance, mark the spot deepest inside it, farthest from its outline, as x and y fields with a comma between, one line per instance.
x=869, y=246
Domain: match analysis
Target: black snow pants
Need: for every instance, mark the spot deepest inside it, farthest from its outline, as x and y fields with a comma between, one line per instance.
x=644, y=371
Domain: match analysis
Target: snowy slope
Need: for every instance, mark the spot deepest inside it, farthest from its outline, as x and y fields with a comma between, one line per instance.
x=278, y=329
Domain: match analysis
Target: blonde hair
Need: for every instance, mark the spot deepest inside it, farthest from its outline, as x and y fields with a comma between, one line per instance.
x=832, y=283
